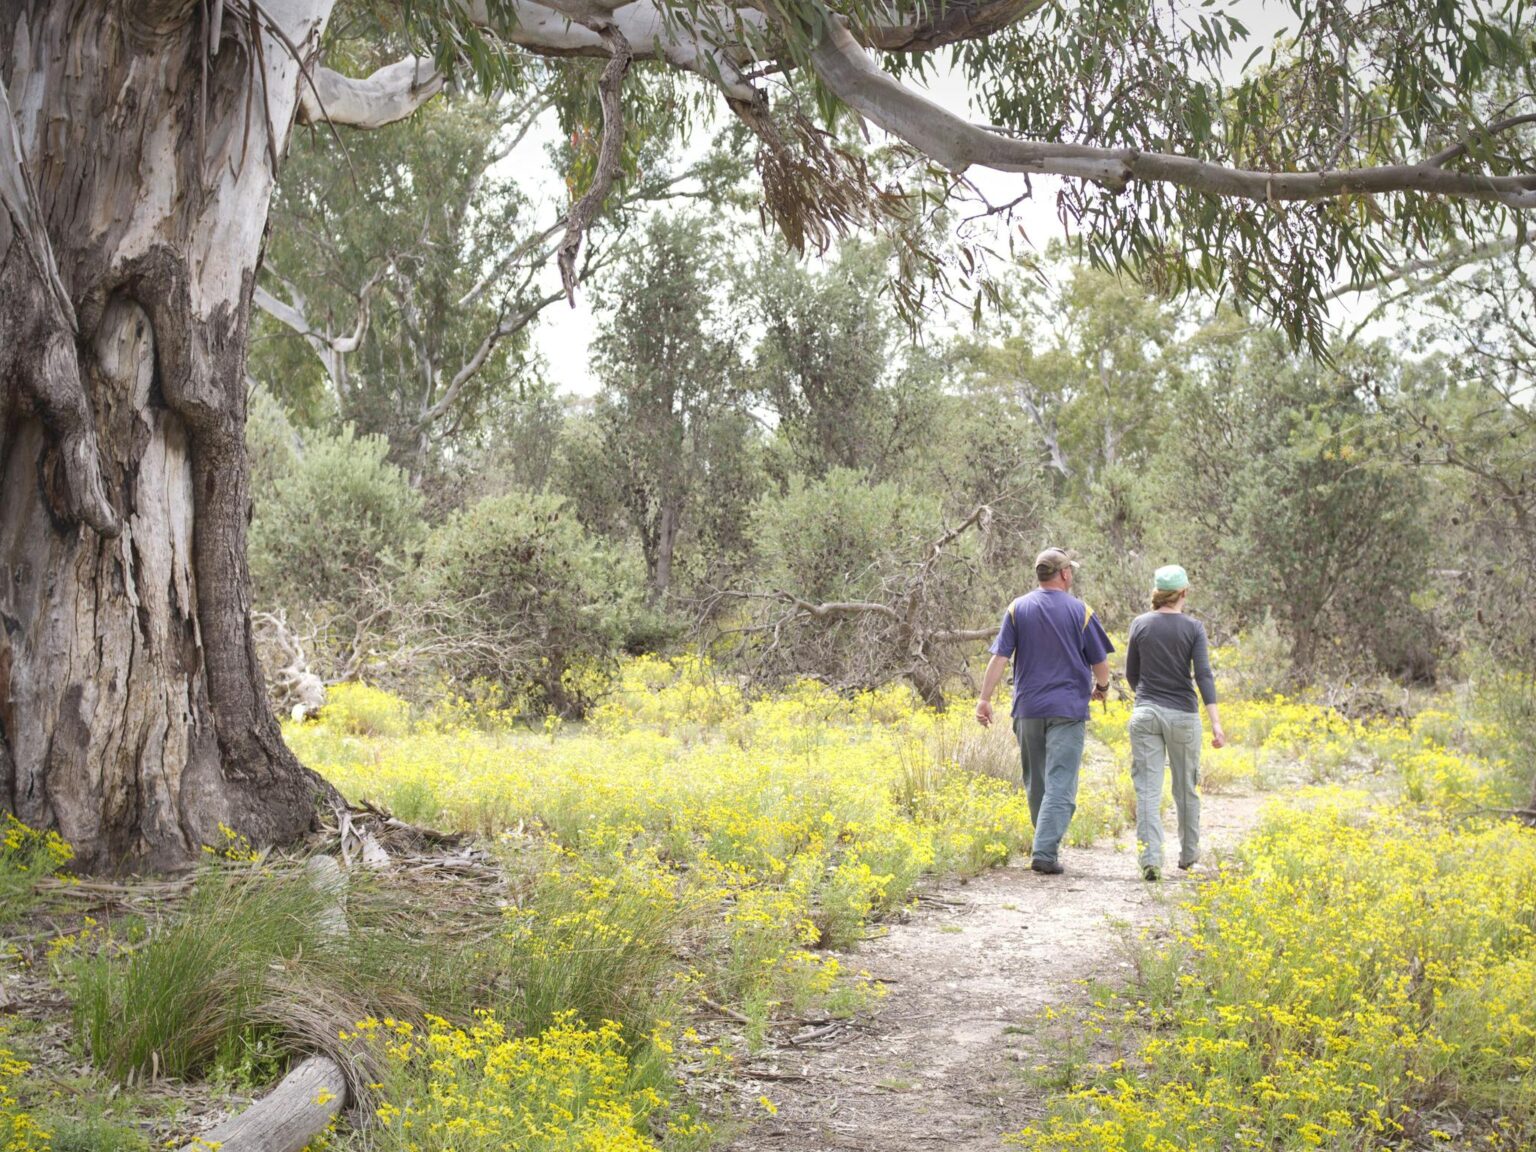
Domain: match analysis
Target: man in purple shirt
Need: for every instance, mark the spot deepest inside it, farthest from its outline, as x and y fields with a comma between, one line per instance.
x=1060, y=658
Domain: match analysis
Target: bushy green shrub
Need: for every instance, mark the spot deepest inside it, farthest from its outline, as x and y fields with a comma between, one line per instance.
x=338, y=519
x=535, y=603
x=868, y=548
x=837, y=537
x=272, y=443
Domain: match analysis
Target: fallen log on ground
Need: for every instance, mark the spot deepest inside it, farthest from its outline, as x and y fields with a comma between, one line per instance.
x=288, y=1118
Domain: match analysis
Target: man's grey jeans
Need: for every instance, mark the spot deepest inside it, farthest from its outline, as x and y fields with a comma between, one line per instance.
x=1159, y=734
x=1052, y=753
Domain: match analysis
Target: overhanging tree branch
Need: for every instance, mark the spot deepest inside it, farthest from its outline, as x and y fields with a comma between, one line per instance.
x=958, y=144
x=390, y=94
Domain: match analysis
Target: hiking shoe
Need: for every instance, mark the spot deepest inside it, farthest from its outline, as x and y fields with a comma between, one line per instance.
x=1186, y=865
x=1148, y=872
x=1049, y=867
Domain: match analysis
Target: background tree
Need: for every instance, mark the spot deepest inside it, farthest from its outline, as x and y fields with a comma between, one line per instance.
x=830, y=364
x=1301, y=508
x=1464, y=420
x=670, y=375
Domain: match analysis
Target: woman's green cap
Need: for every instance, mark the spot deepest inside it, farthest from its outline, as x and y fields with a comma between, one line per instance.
x=1170, y=578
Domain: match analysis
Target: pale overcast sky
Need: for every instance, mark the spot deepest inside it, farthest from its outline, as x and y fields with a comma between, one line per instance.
x=563, y=335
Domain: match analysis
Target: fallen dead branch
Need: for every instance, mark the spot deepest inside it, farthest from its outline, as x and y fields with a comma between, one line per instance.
x=288, y=1118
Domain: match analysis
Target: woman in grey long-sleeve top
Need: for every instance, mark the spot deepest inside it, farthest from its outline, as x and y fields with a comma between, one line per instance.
x=1166, y=659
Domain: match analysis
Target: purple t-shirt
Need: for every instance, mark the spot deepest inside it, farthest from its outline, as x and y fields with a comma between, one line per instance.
x=1054, y=639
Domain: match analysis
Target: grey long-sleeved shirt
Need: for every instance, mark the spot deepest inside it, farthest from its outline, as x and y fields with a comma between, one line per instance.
x=1165, y=648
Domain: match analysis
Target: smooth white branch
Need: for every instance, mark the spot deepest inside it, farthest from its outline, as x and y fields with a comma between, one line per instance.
x=957, y=144
x=390, y=94
x=721, y=43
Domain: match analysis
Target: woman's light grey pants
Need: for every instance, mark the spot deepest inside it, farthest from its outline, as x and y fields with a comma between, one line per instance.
x=1160, y=735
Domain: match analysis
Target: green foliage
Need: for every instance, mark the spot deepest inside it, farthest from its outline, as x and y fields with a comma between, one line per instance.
x=1347, y=85
x=93, y=1132
x=537, y=604
x=408, y=236
x=339, y=519
x=838, y=537
x=867, y=548
x=1464, y=418
x=1298, y=508
x=272, y=443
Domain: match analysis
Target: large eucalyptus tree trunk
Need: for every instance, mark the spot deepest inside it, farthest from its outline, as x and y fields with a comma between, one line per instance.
x=132, y=712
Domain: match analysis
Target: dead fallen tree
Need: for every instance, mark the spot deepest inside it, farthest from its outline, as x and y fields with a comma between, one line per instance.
x=285, y=1120
x=909, y=629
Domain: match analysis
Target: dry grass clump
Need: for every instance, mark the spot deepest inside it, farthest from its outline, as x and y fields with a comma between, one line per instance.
x=279, y=959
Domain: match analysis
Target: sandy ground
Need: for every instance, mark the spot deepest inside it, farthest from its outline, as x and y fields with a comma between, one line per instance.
x=943, y=1060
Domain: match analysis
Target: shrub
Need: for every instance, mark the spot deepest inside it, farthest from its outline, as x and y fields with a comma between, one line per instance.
x=841, y=538
x=530, y=598
x=272, y=444
x=338, y=519
x=835, y=537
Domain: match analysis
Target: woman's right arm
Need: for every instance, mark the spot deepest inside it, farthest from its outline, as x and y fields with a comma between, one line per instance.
x=1132, y=660
x=1205, y=680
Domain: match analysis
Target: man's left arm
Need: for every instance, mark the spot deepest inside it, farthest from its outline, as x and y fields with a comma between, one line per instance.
x=1100, y=681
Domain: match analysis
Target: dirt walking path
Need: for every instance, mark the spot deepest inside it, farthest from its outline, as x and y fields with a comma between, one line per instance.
x=942, y=1062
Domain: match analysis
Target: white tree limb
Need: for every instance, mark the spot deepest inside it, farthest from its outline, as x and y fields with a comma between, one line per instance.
x=957, y=144
x=330, y=348
x=390, y=94
x=650, y=33
x=1459, y=256
x=720, y=42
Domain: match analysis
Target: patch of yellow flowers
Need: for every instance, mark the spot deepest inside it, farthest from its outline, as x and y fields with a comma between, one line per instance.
x=1347, y=978
x=479, y=1089
x=20, y=1131
x=28, y=854
x=1362, y=971
x=796, y=819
